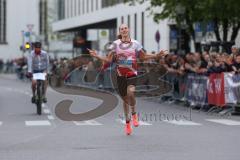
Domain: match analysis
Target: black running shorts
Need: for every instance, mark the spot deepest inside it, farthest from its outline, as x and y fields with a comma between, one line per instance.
x=123, y=83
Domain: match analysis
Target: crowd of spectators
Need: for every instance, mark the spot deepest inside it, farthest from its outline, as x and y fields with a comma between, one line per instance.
x=202, y=63
x=9, y=66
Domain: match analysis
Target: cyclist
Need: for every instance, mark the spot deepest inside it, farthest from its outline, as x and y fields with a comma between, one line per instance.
x=38, y=62
x=125, y=53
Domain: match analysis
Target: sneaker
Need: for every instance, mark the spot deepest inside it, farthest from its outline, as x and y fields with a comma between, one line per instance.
x=33, y=99
x=128, y=128
x=135, y=120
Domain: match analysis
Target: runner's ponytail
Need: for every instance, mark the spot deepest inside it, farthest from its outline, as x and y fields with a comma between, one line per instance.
x=119, y=36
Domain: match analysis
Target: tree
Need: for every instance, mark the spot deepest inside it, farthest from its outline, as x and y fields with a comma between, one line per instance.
x=224, y=14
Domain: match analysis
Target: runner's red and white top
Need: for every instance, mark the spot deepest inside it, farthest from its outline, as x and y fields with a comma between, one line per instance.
x=126, y=54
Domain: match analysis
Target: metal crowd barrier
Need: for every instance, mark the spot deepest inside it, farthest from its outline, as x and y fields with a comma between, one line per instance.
x=194, y=90
x=216, y=93
x=91, y=78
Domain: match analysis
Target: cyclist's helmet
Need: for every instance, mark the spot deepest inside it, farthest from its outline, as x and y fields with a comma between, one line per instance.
x=37, y=44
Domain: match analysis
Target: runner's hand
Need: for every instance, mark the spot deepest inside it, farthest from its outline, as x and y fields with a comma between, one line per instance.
x=162, y=53
x=93, y=53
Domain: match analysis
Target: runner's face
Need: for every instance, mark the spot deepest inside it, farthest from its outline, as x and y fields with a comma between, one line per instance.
x=123, y=29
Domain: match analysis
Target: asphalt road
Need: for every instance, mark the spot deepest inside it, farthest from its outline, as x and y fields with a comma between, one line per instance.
x=167, y=131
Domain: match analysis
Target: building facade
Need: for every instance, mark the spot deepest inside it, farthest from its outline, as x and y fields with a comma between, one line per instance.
x=16, y=19
x=81, y=16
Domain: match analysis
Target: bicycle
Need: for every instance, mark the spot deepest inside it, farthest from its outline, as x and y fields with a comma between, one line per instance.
x=40, y=78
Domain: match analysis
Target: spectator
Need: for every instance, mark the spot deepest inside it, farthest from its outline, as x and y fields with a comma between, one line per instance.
x=236, y=64
x=1, y=65
x=235, y=51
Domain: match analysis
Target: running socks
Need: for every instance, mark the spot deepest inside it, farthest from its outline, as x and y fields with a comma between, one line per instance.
x=135, y=119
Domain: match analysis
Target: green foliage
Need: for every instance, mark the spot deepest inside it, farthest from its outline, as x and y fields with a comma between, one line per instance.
x=225, y=14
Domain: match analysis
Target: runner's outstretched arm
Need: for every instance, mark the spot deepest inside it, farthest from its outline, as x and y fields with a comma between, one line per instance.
x=146, y=56
x=107, y=59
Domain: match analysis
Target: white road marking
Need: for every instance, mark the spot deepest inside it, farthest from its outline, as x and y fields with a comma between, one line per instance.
x=46, y=111
x=87, y=123
x=225, y=122
x=142, y=123
x=17, y=91
x=37, y=123
x=183, y=123
x=121, y=121
x=1, y=123
x=50, y=117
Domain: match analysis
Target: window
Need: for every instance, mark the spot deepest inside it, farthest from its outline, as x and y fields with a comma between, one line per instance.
x=66, y=9
x=83, y=6
x=108, y=3
x=129, y=21
x=3, y=25
x=61, y=9
x=87, y=6
x=79, y=7
x=43, y=17
x=143, y=28
x=96, y=4
x=40, y=17
x=71, y=9
x=135, y=25
x=92, y=5
x=76, y=7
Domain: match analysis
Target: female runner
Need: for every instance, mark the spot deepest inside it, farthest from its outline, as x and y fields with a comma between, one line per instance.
x=125, y=54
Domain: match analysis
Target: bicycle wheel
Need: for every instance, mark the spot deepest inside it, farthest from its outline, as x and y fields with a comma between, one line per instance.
x=39, y=98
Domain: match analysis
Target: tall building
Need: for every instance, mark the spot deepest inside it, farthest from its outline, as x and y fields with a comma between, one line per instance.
x=56, y=43
x=19, y=22
x=87, y=18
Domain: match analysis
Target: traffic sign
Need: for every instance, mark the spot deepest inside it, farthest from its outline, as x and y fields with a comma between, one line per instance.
x=27, y=34
x=30, y=27
x=157, y=36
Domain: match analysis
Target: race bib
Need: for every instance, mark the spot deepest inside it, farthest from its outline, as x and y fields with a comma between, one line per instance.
x=39, y=76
